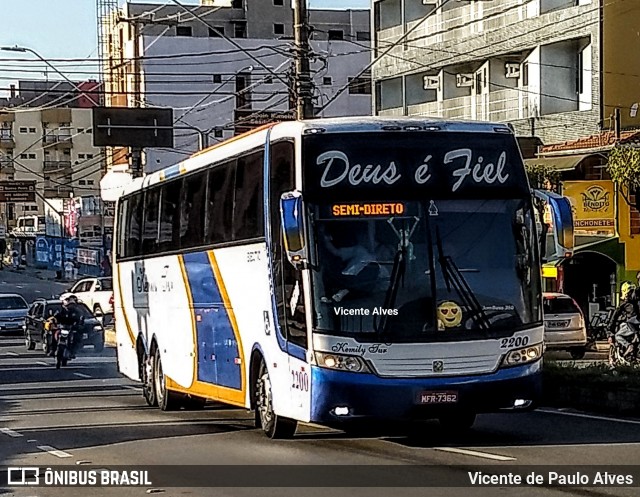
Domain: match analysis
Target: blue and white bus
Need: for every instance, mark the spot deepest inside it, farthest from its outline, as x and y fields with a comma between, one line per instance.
x=335, y=270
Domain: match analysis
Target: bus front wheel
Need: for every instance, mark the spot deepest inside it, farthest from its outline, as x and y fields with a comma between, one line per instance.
x=167, y=400
x=273, y=425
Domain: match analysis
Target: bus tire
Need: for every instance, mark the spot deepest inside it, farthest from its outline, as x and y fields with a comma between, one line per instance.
x=167, y=400
x=273, y=425
x=148, y=383
x=458, y=421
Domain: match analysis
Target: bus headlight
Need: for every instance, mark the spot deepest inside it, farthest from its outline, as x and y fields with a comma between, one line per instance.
x=341, y=362
x=523, y=356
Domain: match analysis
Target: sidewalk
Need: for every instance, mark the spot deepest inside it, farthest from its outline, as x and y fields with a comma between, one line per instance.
x=42, y=274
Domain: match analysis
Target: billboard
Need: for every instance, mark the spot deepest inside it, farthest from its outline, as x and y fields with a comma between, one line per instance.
x=593, y=205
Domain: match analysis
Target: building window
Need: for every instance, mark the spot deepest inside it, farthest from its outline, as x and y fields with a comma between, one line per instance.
x=268, y=80
x=278, y=29
x=80, y=130
x=24, y=130
x=360, y=86
x=237, y=4
x=24, y=156
x=184, y=31
x=218, y=133
x=32, y=130
x=88, y=130
x=525, y=74
x=336, y=34
x=27, y=156
x=217, y=78
x=80, y=156
x=363, y=36
x=216, y=32
x=327, y=81
x=278, y=3
x=89, y=156
x=82, y=182
x=580, y=73
x=240, y=30
x=90, y=182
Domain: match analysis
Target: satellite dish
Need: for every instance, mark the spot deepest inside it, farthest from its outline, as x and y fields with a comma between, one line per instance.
x=634, y=110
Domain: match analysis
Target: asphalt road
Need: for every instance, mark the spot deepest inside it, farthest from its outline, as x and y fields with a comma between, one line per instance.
x=86, y=415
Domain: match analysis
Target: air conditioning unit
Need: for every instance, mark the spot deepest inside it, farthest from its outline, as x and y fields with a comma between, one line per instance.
x=512, y=69
x=464, y=79
x=430, y=82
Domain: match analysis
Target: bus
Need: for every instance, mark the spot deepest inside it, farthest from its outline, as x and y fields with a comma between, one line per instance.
x=334, y=271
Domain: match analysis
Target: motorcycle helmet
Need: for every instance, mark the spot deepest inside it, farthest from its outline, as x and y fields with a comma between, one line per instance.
x=67, y=298
x=626, y=289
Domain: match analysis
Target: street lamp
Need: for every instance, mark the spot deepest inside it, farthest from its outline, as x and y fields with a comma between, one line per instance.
x=19, y=49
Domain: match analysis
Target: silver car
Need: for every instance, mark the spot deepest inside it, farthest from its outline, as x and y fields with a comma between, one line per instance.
x=13, y=312
x=564, y=325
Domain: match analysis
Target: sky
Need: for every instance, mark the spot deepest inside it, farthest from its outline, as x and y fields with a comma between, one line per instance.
x=66, y=29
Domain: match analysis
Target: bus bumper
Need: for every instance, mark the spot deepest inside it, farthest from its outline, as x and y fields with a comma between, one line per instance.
x=338, y=396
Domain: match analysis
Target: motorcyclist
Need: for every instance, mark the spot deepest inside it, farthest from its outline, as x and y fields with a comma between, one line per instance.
x=624, y=322
x=69, y=317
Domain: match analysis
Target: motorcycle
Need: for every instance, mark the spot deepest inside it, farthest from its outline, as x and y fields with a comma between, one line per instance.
x=63, y=348
x=619, y=354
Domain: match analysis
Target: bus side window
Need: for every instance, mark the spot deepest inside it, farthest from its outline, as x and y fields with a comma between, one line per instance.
x=220, y=208
x=133, y=231
x=193, y=210
x=169, y=238
x=122, y=227
x=150, y=230
x=248, y=216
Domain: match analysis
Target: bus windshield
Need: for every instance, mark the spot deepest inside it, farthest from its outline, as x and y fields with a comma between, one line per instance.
x=402, y=268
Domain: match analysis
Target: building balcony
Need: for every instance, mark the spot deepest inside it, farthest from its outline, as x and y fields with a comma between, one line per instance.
x=7, y=166
x=6, y=139
x=61, y=140
x=56, y=166
x=58, y=191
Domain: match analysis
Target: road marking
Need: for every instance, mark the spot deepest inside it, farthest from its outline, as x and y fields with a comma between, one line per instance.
x=588, y=416
x=10, y=432
x=130, y=387
x=37, y=291
x=53, y=451
x=14, y=354
x=81, y=375
x=42, y=363
x=475, y=453
x=19, y=286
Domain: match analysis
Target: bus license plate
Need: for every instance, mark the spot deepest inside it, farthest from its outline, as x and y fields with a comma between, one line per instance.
x=447, y=397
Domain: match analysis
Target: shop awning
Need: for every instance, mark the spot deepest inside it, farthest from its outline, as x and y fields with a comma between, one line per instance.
x=565, y=163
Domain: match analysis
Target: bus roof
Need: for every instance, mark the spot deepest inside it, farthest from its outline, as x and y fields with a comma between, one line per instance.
x=358, y=124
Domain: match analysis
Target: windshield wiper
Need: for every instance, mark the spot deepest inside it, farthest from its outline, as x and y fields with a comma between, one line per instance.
x=454, y=278
x=397, y=274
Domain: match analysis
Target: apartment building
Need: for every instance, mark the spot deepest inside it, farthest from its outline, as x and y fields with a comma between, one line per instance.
x=53, y=147
x=161, y=56
x=556, y=69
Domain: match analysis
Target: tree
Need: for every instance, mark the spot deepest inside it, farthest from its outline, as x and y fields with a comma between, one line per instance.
x=543, y=177
x=624, y=166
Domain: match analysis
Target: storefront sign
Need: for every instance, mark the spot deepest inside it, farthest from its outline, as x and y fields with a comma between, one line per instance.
x=593, y=204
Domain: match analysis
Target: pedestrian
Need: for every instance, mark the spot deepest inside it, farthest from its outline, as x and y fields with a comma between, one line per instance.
x=15, y=258
x=3, y=249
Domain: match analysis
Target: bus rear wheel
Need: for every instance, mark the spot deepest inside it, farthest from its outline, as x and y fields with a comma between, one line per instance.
x=273, y=425
x=148, y=383
x=167, y=400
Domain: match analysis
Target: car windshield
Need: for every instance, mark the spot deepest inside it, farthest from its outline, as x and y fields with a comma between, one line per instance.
x=106, y=284
x=559, y=305
x=462, y=267
x=53, y=308
x=12, y=302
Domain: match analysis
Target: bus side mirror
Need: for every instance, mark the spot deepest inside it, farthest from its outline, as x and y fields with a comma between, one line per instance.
x=293, y=229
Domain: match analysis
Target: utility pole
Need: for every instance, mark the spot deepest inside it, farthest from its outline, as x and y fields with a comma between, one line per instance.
x=302, y=79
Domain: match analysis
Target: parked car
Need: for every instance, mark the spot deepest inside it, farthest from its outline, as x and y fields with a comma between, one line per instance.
x=96, y=293
x=564, y=325
x=13, y=310
x=41, y=310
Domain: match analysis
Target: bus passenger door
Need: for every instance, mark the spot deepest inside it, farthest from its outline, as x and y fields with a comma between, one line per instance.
x=292, y=319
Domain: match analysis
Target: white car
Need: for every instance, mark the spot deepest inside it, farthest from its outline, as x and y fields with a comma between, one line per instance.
x=564, y=325
x=96, y=293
